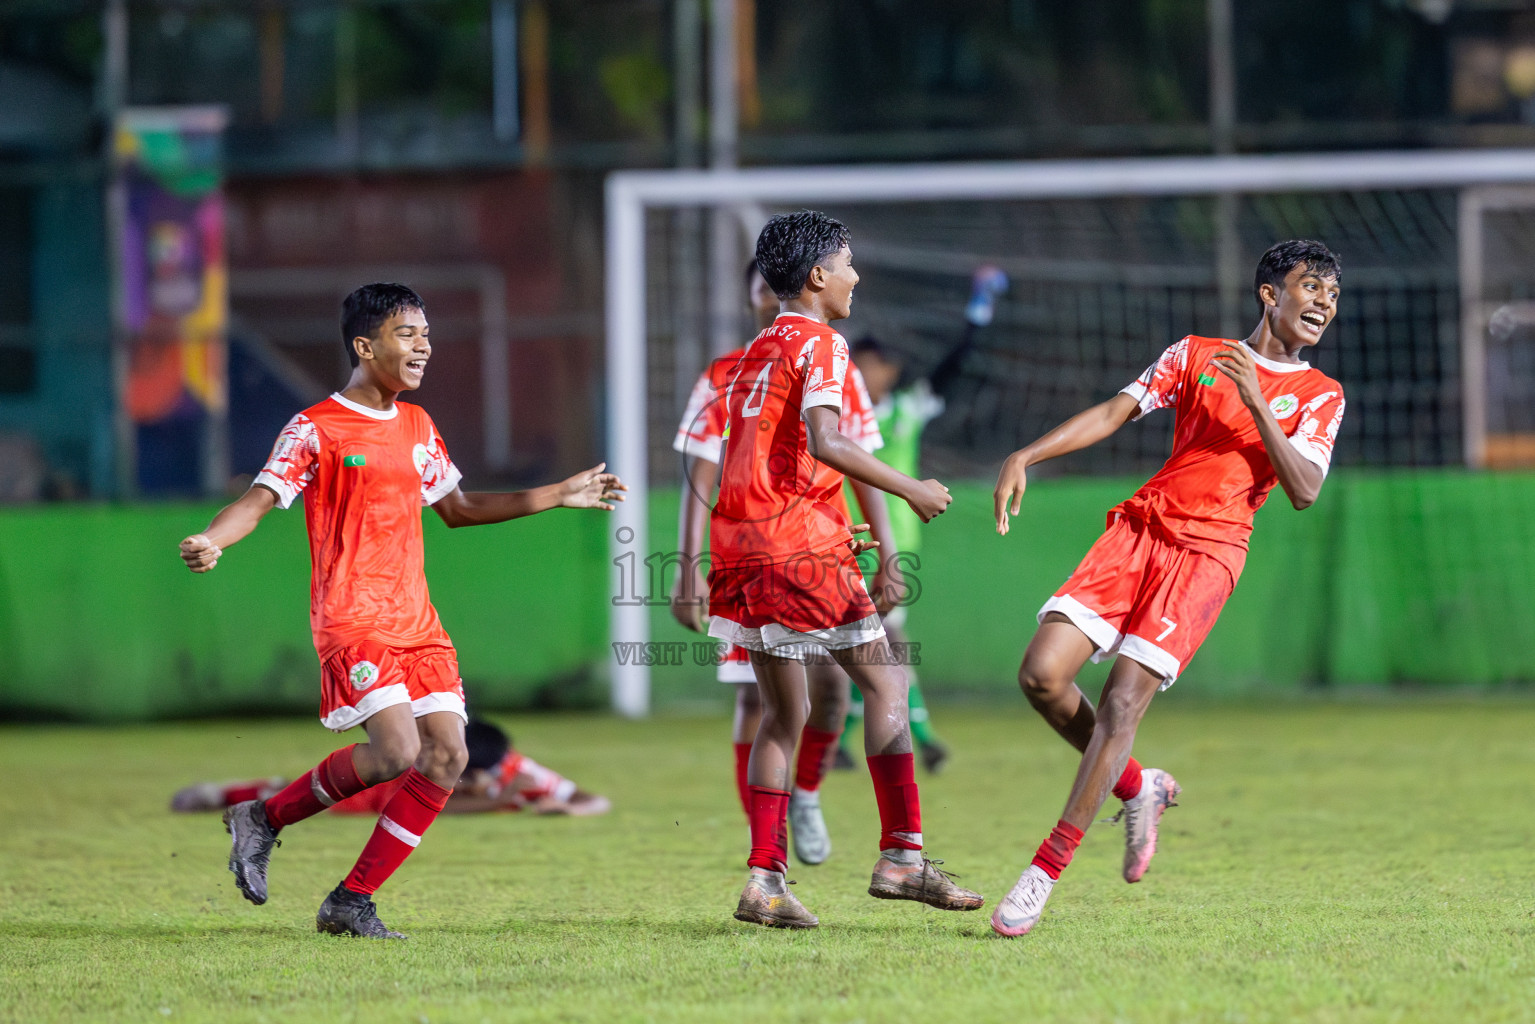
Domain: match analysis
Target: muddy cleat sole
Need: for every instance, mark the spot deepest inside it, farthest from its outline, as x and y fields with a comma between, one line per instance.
x=1019, y=911
x=807, y=827
x=251, y=840
x=345, y=912
x=921, y=883
x=1142, y=817
x=766, y=900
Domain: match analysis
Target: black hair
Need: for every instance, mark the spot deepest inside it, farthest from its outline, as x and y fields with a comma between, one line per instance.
x=364, y=311
x=791, y=244
x=487, y=744
x=872, y=345
x=1284, y=257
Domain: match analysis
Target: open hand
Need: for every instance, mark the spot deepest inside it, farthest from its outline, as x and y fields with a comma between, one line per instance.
x=592, y=488
x=199, y=553
x=1007, y=496
x=857, y=544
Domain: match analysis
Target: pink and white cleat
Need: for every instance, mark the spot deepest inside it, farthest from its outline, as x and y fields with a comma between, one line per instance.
x=1019, y=910
x=1142, y=814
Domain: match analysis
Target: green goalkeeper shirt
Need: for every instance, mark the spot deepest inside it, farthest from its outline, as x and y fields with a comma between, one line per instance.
x=902, y=416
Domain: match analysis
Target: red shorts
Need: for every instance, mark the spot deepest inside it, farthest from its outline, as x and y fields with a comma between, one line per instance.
x=359, y=681
x=792, y=608
x=1137, y=595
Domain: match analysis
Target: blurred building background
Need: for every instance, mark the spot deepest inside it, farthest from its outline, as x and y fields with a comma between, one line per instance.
x=461, y=145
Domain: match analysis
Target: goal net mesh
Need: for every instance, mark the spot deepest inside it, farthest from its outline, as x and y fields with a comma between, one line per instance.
x=1098, y=289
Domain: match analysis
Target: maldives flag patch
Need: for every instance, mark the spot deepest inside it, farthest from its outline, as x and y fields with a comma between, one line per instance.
x=354, y=460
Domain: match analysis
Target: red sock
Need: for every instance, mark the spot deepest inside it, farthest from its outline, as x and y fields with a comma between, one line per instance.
x=1055, y=852
x=1129, y=784
x=769, y=815
x=239, y=792
x=398, y=831
x=814, y=758
x=333, y=779
x=900, y=809
x=743, y=757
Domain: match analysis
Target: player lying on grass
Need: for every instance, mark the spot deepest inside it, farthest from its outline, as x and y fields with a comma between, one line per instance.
x=902, y=411
x=497, y=778
x=365, y=464
x=1250, y=414
x=786, y=580
x=700, y=438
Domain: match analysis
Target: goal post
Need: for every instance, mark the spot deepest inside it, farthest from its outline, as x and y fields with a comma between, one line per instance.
x=631, y=194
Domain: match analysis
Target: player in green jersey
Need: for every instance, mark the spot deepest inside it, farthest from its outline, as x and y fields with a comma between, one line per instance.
x=903, y=413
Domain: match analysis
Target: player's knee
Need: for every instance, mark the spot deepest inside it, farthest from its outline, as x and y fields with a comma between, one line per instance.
x=1037, y=681
x=394, y=760
x=443, y=759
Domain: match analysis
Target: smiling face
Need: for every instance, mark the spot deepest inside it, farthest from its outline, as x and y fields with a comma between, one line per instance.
x=396, y=355
x=1300, y=310
x=836, y=278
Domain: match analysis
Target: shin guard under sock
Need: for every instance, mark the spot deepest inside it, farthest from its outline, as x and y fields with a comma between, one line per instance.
x=900, y=808
x=406, y=817
x=332, y=780
x=769, y=816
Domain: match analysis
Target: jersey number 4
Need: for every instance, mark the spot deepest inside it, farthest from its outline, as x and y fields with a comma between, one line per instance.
x=758, y=394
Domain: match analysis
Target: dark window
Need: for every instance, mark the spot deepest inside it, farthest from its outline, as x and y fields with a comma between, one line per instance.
x=18, y=360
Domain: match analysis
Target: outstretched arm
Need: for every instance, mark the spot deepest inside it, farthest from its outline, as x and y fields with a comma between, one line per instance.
x=234, y=522
x=1084, y=429
x=827, y=444
x=591, y=488
x=1299, y=476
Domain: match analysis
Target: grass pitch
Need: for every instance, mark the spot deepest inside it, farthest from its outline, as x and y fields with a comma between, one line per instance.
x=1330, y=861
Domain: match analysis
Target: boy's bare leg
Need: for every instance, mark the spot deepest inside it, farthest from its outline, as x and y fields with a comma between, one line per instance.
x=1048, y=678
x=743, y=730
x=902, y=873
x=828, y=688
x=1126, y=695
x=766, y=898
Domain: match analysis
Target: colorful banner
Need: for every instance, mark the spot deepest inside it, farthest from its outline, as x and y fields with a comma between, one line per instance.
x=173, y=307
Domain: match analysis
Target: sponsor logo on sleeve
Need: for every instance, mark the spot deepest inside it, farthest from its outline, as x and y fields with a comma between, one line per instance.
x=363, y=675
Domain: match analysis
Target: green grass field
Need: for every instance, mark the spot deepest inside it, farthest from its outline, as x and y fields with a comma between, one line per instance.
x=1330, y=861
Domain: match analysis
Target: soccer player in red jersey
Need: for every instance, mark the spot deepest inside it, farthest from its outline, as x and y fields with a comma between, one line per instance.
x=786, y=580
x=366, y=463
x=1250, y=414
x=700, y=437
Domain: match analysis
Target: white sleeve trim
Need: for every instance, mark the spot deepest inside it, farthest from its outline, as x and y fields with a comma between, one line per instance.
x=822, y=399
x=1142, y=395
x=275, y=484
x=708, y=449
x=444, y=487
x=1312, y=453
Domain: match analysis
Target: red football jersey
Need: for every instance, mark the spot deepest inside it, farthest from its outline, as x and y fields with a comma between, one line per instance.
x=364, y=475
x=776, y=502
x=702, y=430
x=1218, y=476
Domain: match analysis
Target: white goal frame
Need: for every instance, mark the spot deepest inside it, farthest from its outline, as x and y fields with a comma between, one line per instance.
x=630, y=194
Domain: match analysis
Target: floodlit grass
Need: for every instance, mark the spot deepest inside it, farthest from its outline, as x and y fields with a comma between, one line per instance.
x=1331, y=861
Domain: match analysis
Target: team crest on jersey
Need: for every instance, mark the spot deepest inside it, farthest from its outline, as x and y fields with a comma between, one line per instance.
x=420, y=456
x=1284, y=406
x=363, y=675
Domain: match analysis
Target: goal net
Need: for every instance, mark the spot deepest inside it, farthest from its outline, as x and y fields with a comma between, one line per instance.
x=1108, y=263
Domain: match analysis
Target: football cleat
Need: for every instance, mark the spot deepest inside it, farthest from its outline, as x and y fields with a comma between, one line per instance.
x=767, y=900
x=251, y=840
x=345, y=912
x=842, y=761
x=1142, y=814
x=922, y=882
x=1019, y=910
x=934, y=756
x=807, y=827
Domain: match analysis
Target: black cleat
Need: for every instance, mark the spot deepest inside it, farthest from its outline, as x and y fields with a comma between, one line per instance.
x=934, y=756
x=345, y=912
x=252, y=838
x=842, y=761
